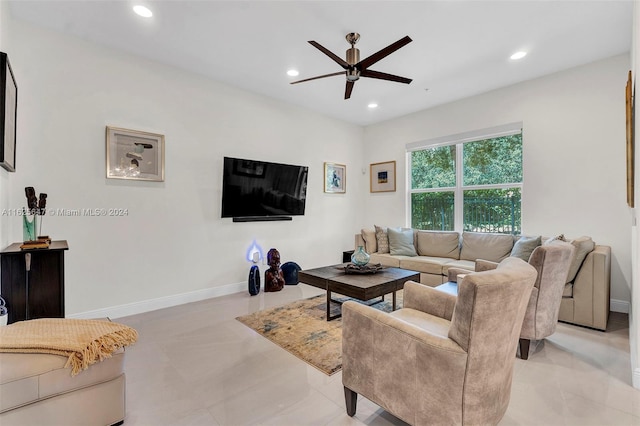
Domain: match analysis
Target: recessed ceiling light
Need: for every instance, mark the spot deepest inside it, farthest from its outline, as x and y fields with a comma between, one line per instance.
x=292, y=73
x=373, y=105
x=518, y=55
x=142, y=11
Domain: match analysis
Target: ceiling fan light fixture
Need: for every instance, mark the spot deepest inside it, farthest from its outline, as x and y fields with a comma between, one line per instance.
x=518, y=55
x=142, y=11
x=353, y=75
x=292, y=72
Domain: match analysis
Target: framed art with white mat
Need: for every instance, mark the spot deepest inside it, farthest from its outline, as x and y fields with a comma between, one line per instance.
x=383, y=176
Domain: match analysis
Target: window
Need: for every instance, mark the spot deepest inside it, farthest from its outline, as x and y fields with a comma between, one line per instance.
x=471, y=182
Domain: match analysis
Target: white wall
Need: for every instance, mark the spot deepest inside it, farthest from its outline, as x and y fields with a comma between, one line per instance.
x=573, y=155
x=173, y=240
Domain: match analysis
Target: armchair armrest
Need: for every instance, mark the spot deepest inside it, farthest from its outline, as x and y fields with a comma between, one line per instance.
x=485, y=265
x=429, y=300
x=452, y=273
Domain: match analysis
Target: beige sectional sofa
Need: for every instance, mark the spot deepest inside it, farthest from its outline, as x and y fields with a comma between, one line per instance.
x=585, y=299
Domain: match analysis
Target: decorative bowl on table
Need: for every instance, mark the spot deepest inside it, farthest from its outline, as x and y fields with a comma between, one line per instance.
x=370, y=268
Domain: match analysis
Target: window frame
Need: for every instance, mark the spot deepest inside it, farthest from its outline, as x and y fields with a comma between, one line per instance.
x=458, y=191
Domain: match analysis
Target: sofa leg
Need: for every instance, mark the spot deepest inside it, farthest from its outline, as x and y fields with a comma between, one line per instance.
x=524, y=348
x=350, y=399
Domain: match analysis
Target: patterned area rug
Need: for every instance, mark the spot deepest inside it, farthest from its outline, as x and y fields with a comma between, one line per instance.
x=302, y=329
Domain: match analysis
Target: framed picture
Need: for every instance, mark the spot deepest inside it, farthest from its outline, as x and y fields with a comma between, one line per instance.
x=383, y=177
x=135, y=155
x=335, y=178
x=8, y=114
x=630, y=111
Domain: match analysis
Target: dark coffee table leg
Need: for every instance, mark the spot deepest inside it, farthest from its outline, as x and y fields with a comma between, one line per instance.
x=328, y=305
x=394, y=301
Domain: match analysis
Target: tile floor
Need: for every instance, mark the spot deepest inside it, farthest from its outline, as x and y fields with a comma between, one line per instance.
x=195, y=364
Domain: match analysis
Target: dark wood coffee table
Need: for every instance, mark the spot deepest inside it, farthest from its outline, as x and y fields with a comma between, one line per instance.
x=358, y=286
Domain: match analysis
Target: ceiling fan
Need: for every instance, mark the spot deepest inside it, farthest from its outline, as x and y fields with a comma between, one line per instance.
x=356, y=68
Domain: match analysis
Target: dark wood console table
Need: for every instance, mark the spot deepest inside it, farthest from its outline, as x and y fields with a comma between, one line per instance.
x=39, y=291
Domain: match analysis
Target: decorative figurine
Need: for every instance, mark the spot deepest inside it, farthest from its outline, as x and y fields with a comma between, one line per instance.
x=273, y=279
x=254, y=280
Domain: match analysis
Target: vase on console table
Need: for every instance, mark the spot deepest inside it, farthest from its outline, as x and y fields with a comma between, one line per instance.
x=360, y=257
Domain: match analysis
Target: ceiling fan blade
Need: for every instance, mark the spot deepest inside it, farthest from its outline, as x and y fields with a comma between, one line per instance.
x=347, y=90
x=330, y=54
x=384, y=76
x=368, y=61
x=320, y=76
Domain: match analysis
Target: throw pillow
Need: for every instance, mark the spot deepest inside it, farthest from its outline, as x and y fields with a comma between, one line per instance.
x=401, y=242
x=525, y=246
x=370, y=242
x=382, y=239
x=583, y=246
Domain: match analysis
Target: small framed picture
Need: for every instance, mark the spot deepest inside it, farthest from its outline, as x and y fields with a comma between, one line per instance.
x=335, y=178
x=134, y=155
x=383, y=177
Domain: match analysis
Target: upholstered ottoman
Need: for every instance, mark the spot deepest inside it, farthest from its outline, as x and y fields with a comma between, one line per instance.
x=84, y=387
x=36, y=389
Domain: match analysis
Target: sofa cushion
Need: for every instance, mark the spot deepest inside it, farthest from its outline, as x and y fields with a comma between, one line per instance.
x=525, y=246
x=401, y=242
x=370, y=241
x=479, y=245
x=382, y=239
x=385, y=259
x=583, y=246
x=462, y=264
x=427, y=265
x=438, y=244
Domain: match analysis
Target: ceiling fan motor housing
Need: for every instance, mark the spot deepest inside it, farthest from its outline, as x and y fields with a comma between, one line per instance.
x=353, y=57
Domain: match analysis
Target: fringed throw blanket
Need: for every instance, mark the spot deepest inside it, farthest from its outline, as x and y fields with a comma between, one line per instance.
x=84, y=342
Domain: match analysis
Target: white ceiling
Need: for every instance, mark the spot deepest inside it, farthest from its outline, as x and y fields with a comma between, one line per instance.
x=459, y=48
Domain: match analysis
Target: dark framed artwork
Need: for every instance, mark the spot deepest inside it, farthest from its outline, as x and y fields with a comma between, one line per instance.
x=629, y=101
x=8, y=114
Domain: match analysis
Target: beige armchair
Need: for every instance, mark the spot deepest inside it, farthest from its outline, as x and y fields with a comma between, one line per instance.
x=441, y=359
x=552, y=262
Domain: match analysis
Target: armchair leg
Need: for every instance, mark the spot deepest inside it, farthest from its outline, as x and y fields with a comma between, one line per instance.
x=524, y=348
x=350, y=399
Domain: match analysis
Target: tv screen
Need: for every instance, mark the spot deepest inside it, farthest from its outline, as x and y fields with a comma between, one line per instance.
x=261, y=189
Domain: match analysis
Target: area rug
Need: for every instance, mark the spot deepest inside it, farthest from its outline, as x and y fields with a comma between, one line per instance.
x=302, y=329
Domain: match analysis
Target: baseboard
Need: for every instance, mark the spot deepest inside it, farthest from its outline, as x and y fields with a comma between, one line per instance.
x=161, y=302
x=635, y=378
x=619, y=306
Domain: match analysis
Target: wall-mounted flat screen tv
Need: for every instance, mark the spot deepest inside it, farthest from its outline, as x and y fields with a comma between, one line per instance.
x=259, y=190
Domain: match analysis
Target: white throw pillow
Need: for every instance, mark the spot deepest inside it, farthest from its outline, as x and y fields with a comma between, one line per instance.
x=401, y=242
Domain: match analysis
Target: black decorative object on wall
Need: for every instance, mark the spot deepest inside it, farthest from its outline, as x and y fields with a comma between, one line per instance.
x=254, y=280
x=8, y=114
x=290, y=273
